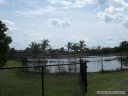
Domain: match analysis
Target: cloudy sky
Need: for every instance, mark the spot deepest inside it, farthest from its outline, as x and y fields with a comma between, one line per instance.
x=98, y=22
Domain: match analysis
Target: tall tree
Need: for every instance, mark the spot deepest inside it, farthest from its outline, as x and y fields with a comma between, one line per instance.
x=69, y=46
x=4, y=44
x=82, y=45
x=44, y=45
x=62, y=50
x=75, y=47
x=123, y=46
x=13, y=53
x=35, y=49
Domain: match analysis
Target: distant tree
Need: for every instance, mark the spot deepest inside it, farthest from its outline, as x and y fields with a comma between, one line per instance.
x=69, y=46
x=4, y=44
x=13, y=53
x=123, y=47
x=62, y=50
x=82, y=45
x=75, y=47
x=35, y=49
x=27, y=50
x=44, y=45
x=123, y=44
x=106, y=50
x=99, y=47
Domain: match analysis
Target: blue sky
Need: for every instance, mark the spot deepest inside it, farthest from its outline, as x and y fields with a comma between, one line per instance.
x=98, y=22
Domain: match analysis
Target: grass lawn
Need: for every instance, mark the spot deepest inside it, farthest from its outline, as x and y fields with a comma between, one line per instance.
x=15, y=83
x=112, y=81
x=12, y=63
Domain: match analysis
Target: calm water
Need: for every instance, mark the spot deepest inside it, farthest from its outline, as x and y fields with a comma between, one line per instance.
x=94, y=64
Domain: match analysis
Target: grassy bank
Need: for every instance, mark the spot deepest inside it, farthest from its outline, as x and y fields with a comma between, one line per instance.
x=113, y=81
x=14, y=81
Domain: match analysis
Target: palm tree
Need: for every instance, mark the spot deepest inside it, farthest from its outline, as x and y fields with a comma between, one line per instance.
x=69, y=46
x=44, y=45
x=82, y=45
x=35, y=49
x=75, y=47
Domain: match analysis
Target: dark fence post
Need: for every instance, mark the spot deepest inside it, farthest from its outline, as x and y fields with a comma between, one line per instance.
x=0, y=81
x=102, y=68
x=121, y=60
x=42, y=77
x=0, y=84
x=83, y=75
x=85, y=71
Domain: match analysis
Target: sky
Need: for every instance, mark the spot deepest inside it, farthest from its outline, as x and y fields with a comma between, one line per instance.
x=97, y=22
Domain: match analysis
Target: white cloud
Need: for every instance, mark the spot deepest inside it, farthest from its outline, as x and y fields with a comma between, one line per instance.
x=65, y=3
x=36, y=11
x=11, y=25
x=81, y=3
x=112, y=40
x=3, y=2
x=30, y=36
x=54, y=22
x=78, y=38
x=100, y=3
x=32, y=24
x=113, y=10
x=59, y=23
x=116, y=12
x=109, y=18
x=126, y=24
x=72, y=3
x=118, y=3
x=66, y=23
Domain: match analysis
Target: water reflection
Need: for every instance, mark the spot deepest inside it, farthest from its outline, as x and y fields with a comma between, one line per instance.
x=94, y=64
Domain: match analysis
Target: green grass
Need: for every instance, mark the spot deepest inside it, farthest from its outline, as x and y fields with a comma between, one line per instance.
x=111, y=81
x=12, y=63
x=16, y=83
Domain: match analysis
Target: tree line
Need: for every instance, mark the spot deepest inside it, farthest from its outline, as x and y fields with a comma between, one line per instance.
x=39, y=50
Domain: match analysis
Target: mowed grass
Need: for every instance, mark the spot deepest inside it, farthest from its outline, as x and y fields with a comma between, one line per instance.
x=16, y=83
x=112, y=81
x=13, y=63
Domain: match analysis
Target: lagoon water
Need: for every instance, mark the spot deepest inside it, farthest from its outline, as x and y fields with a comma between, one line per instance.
x=94, y=64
